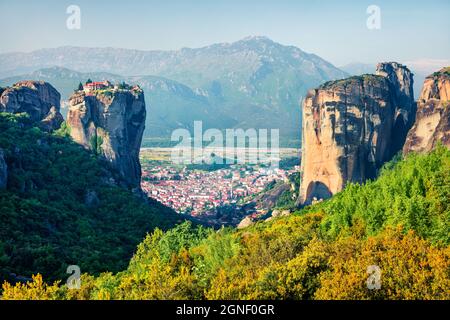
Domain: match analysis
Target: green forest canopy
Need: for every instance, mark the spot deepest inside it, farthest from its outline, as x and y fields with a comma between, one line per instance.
x=48, y=222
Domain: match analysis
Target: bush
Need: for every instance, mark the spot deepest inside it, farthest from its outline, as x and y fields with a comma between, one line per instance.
x=413, y=193
x=46, y=223
x=411, y=268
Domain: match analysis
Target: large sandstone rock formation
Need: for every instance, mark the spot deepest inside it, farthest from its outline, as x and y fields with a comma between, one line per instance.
x=3, y=171
x=39, y=99
x=432, y=123
x=351, y=127
x=111, y=123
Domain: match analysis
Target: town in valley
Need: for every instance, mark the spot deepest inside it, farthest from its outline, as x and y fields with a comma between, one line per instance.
x=222, y=194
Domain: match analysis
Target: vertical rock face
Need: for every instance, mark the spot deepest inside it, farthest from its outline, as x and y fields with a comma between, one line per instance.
x=432, y=123
x=111, y=123
x=3, y=171
x=39, y=99
x=401, y=81
x=350, y=128
x=52, y=121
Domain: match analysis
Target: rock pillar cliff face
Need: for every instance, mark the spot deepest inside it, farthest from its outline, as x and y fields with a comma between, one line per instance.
x=432, y=123
x=111, y=123
x=349, y=126
x=39, y=99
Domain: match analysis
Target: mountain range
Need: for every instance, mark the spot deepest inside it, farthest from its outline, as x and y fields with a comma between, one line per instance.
x=172, y=104
x=251, y=83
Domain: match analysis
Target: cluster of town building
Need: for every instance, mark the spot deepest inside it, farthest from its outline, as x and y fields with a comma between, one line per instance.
x=197, y=192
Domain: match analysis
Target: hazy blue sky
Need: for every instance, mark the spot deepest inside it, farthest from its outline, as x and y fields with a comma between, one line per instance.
x=334, y=30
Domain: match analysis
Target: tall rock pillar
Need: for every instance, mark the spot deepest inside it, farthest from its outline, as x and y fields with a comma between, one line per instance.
x=432, y=125
x=350, y=128
x=111, y=122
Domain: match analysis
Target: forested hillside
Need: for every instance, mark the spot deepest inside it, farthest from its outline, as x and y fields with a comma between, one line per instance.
x=398, y=223
x=63, y=205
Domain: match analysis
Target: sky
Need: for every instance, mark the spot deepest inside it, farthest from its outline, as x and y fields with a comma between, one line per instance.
x=334, y=30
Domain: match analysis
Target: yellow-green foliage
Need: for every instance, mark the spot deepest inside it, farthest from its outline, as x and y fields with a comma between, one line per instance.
x=414, y=193
x=321, y=253
x=33, y=290
x=410, y=268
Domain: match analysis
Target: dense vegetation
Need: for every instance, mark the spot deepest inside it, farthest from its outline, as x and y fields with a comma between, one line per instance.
x=60, y=207
x=289, y=163
x=398, y=223
x=414, y=193
x=288, y=199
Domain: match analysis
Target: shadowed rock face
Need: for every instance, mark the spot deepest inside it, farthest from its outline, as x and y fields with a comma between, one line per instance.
x=432, y=123
x=39, y=99
x=401, y=80
x=351, y=127
x=111, y=123
x=3, y=171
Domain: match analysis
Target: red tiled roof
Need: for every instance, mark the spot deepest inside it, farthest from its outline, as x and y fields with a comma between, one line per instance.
x=95, y=84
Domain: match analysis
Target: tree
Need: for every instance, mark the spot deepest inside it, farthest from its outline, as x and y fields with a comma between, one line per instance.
x=80, y=86
x=33, y=290
x=410, y=268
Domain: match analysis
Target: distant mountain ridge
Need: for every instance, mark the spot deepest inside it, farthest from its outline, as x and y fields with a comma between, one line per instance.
x=251, y=83
x=156, y=62
x=356, y=68
x=171, y=104
x=420, y=67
